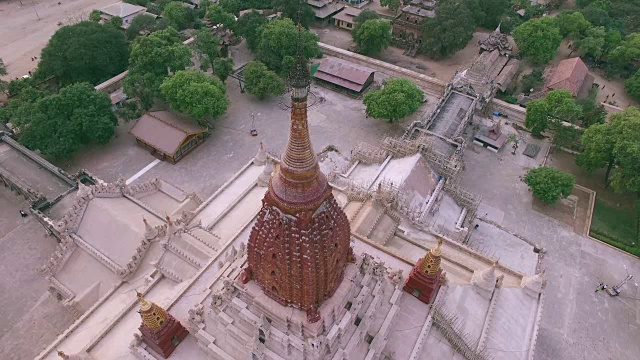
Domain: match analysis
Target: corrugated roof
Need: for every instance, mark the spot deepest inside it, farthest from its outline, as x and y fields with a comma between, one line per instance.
x=346, y=70
x=569, y=75
x=122, y=9
x=164, y=130
x=348, y=14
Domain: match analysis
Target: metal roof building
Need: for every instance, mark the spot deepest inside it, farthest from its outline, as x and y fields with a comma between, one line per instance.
x=345, y=75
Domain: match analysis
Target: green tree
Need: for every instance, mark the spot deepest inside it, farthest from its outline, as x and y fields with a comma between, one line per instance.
x=549, y=184
x=493, y=11
x=625, y=131
x=141, y=24
x=207, y=47
x=614, y=146
x=557, y=106
x=373, y=36
x=593, y=42
x=260, y=81
x=115, y=21
x=279, y=43
x=217, y=15
x=248, y=26
x=84, y=52
x=94, y=16
x=571, y=23
x=196, y=94
x=223, y=67
x=296, y=10
x=562, y=106
x=231, y=6
x=534, y=81
x=177, y=15
x=59, y=125
x=593, y=111
x=152, y=58
x=393, y=5
x=538, y=39
x=625, y=59
x=537, y=118
x=398, y=98
x=632, y=85
x=363, y=17
x=449, y=31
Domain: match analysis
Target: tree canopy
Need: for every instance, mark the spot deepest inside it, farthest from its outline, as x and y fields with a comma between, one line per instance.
x=297, y=10
x=177, y=15
x=538, y=39
x=248, y=26
x=398, y=98
x=493, y=11
x=615, y=146
x=143, y=24
x=449, y=31
x=279, y=44
x=223, y=67
x=84, y=52
x=549, y=184
x=207, y=47
x=152, y=58
x=364, y=16
x=632, y=85
x=372, y=36
x=59, y=125
x=217, y=15
x=94, y=16
x=393, y=5
x=231, y=6
x=260, y=81
x=571, y=23
x=196, y=94
x=625, y=59
x=593, y=42
x=556, y=107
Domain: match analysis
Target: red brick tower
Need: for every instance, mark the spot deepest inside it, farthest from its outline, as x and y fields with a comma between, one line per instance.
x=299, y=246
x=160, y=331
x=426, y=277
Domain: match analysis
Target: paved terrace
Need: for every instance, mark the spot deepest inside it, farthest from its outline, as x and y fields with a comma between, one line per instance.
x=32, y=170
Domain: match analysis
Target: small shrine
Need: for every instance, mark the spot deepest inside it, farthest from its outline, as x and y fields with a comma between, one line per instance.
x=160, y=330
x=426, y=277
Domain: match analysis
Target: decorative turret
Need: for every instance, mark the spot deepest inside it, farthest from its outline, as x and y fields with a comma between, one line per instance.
x=160, y=331
x=426, y=277
x=265, y=177
x=300, y=244
x=533, y=284
x=261, y=156
x=150, y=232
x=485, y=280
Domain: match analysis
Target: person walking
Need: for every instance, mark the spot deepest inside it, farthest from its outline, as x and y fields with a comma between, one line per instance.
x=600, y=286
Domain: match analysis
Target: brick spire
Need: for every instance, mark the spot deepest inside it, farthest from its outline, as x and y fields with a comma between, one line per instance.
x=300, y=245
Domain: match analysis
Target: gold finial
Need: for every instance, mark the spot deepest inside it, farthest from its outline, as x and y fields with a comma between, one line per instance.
x=62, y=354
x=431, y=261
x=153, y=316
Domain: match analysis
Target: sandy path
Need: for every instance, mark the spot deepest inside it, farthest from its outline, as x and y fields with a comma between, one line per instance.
x=23, y=36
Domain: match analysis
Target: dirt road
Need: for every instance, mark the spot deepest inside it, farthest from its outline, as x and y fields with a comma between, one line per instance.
x=27, y=25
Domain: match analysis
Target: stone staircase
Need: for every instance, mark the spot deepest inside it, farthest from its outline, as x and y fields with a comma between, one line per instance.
x=375, y=222
x=187, y=252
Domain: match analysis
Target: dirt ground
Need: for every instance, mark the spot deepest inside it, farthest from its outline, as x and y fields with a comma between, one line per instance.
x=27, y=25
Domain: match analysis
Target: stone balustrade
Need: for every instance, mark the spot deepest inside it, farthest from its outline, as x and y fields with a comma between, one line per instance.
x=97, y=254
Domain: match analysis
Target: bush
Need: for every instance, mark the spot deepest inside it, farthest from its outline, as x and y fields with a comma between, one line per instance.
x=549, y=184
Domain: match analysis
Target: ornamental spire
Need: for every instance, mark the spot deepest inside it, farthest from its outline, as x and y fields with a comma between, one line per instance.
x=431, y=262
x=153, y=316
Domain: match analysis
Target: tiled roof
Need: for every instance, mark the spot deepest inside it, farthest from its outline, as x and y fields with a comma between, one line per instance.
x=570, y=74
